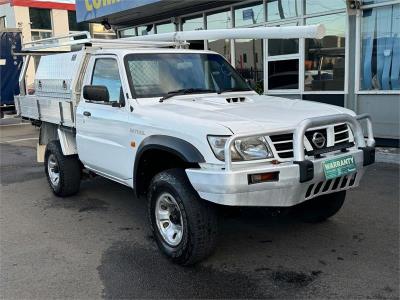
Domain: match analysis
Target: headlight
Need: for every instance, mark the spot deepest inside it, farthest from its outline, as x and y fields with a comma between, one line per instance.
x=251, y=148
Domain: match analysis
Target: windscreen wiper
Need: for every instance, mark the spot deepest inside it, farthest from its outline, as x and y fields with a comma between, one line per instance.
x=186, y=91
x=233, y=90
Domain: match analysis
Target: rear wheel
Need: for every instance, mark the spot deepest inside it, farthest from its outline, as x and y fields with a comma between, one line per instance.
x=320, y=208
x=63, y=172
x=184, y=226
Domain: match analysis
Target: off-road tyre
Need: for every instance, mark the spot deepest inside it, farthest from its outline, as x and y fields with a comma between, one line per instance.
x=69, y=169
x=320, y=208
x=199, y=218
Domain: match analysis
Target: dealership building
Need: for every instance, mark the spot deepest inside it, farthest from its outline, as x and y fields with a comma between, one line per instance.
x=38, y=19
x=356, y=65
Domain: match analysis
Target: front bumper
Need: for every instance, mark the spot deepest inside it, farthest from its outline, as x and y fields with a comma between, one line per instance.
x=232, y=188
x=299, y=180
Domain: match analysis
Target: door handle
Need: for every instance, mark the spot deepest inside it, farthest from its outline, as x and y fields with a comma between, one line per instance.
x=87, y=113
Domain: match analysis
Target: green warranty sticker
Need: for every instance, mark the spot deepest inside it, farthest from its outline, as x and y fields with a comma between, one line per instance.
x=339, y=167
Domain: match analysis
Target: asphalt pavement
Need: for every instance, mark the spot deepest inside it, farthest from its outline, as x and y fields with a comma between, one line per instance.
x=97, y=243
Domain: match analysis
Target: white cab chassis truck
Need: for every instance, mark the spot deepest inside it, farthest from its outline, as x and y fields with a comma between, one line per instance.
x=183, y=128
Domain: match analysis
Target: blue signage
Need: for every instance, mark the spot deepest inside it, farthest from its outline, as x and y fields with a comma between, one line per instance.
x=248, y=14
x=87, y=10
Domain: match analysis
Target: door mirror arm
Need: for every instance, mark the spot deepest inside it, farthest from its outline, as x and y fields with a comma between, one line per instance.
x=121, y=97
x=117, y=104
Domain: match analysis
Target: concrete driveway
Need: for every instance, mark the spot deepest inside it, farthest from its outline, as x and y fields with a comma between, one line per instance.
x=97, y=244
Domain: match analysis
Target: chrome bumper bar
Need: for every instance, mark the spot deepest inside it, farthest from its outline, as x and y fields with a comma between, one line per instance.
x=302, y=127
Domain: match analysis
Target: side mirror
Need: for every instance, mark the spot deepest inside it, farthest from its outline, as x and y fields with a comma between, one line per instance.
x=96, y=93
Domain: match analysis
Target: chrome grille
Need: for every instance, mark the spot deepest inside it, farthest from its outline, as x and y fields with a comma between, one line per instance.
x=342, y=134
x=342, y=139
x=283, y=144
x=331, y=185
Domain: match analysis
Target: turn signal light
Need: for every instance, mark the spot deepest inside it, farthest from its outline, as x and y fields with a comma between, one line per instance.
x=263, y=177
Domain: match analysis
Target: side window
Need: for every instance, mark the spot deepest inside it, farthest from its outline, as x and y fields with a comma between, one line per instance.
x=106, y=73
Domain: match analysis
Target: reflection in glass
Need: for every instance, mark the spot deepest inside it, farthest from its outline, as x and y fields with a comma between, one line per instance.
x=282, y=9
x=73, y=25
x=222, y=47
x=325, y=58
x=196, y=23
x=380, y=57
x=250, y=14
x=367, y=2
x=164, y=28
x=38, y=35
x=282, y=46
x=220, y=20
x=317, y=6
x=127, y=32
x=249, y=62
x=40, y=18
x=154, y=75
x=145, y=30
x=106, y=73
x=283, y=74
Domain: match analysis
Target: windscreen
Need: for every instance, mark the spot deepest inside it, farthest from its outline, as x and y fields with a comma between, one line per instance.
x=157, y=74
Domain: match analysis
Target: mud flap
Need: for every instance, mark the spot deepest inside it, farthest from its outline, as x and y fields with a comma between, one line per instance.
x=40, y=150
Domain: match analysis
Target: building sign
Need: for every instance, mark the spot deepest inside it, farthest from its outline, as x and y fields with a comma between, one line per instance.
x=248, y=14
x=87, y=10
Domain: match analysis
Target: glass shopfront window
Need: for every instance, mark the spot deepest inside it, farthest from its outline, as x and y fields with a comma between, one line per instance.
x=40, y=34
x=319, y=6
x=367, y=2
x=74, y=25
x=129, y=32
x=193, y=23
x=250, y=14
x=166, y=27
x=221, y=20
x=40, y=23
x=283, y=46
x=249, y=62
x=325, y=58
x=145, y=30
x=40, y=18
x=282, y=9
x=283, y=63
x=380, y=55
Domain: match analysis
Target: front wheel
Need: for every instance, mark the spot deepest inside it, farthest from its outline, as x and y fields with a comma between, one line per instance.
x=184, y=226
x=320, y=208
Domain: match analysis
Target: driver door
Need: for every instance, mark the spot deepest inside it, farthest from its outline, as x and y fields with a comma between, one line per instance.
x=102, y=127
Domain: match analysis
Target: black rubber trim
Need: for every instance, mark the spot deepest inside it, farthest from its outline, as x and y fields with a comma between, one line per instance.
x=306, y=170
x=181, y=148
x=369, y=155
x=330, y=149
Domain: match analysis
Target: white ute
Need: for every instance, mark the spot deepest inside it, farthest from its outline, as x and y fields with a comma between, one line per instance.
x=183, y=128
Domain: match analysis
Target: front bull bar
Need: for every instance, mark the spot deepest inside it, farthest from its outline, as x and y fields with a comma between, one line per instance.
x=306, y=166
